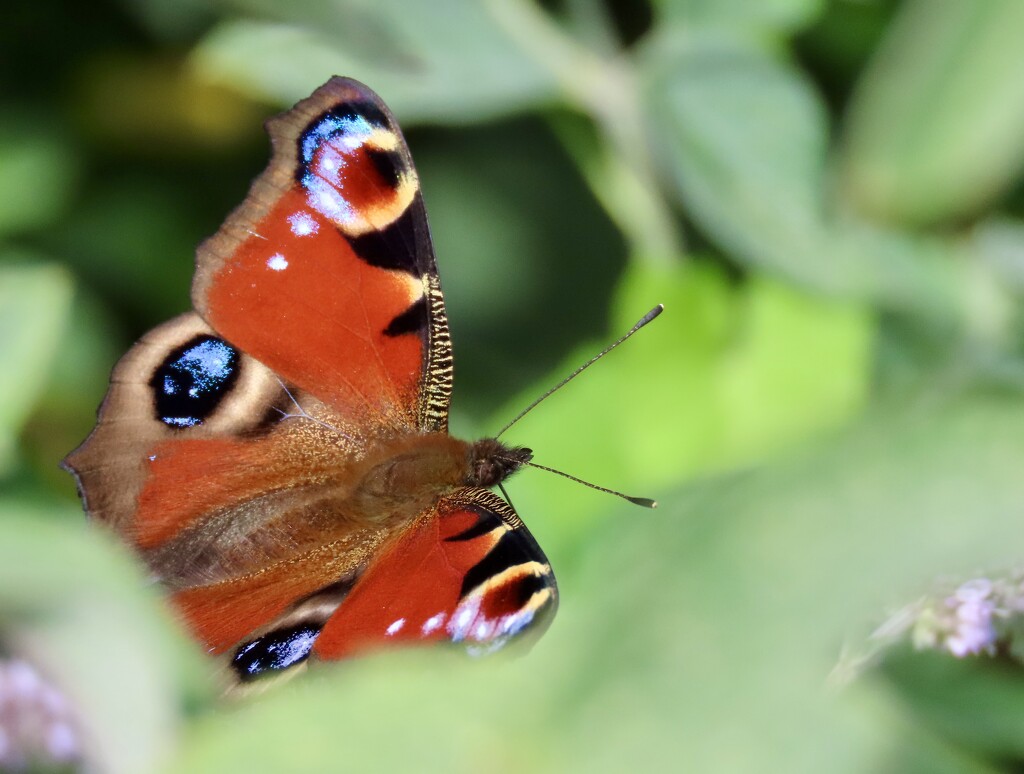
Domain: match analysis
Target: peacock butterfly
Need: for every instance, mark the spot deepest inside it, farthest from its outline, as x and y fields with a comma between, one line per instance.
x=279, y=457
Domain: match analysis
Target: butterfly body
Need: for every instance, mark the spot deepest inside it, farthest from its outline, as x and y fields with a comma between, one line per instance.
x=280, y=458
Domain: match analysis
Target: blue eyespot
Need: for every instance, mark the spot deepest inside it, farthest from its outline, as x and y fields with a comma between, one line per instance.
x=193, y=379
x=275, y=651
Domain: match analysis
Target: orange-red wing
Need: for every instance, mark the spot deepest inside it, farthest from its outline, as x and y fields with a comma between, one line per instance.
x=467, y=572
x=326, y=272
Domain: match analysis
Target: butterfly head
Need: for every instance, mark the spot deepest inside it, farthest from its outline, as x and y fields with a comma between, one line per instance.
x=491, y=462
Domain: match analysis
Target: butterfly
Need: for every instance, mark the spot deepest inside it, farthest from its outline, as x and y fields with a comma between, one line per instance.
x=280, y=459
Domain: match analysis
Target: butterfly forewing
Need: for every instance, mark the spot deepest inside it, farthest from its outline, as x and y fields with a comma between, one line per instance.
x=326, y=273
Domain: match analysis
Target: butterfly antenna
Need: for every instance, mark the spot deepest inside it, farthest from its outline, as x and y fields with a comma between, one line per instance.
x=505, y=495
x=645, y=502
x=640, y=324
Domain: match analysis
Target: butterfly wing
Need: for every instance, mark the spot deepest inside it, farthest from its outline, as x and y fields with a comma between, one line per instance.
x=467, y=571
x=326, y=272
x=321, y=293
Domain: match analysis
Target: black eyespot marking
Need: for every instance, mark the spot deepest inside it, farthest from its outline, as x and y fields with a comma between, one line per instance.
x=275, y=651
x=412, y=320
x=389, y=165
x=481, y=528
x=395, y=245
x=193, y=380
x=507, y=552
x=524, y=588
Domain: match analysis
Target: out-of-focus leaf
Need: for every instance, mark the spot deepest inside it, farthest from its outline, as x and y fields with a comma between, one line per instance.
x=695, y=638
x=937, y=127
x=999, y=242
x=976, y=701
x=34, y=302
x=66, y=409
x=38, y=172
x=776, y=15
x=727, y=375
x=838, y=44
x=441, y=61
x=744, y=138
x=79, y=609
x=171, y=20
x=744, y=141
x=133, y=242
x=160, y=108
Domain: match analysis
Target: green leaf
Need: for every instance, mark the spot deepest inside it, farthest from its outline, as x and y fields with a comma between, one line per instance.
x=977, y=702
x=79, y=608
x=444, y=61
x=38, y=172
x=34, y=302
x=66, y=408
x=937, y=125
x=743, y=138
x=131, y=241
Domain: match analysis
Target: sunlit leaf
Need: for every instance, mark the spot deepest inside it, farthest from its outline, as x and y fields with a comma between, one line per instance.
x=727, y=375
x=442, y=61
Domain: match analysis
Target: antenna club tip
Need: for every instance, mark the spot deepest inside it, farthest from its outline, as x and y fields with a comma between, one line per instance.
x=643, y=502
x=649, y=316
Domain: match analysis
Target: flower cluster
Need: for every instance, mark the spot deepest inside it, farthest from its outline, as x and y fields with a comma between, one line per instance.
x=964, y=623
x=36, y=723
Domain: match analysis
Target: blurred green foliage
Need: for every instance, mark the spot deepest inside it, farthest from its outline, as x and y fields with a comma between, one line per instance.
x=826, y=194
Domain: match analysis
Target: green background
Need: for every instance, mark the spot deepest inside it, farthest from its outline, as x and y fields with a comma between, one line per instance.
x=827, y=197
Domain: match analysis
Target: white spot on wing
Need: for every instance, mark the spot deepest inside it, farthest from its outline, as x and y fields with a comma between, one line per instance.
x=465, y=613
x=302, y=224
x=327, y=200
x=433, y=623
x=277, y=262
x=395, y=627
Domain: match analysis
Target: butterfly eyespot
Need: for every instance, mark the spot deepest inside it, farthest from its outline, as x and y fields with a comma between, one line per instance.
x=193, y=380
x=275, y=651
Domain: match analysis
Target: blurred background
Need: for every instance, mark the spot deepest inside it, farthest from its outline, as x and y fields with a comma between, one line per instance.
x=828, y=198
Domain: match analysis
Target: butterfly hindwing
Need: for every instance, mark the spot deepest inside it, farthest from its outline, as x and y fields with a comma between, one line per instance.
x=326, y=273
x=468, y=572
